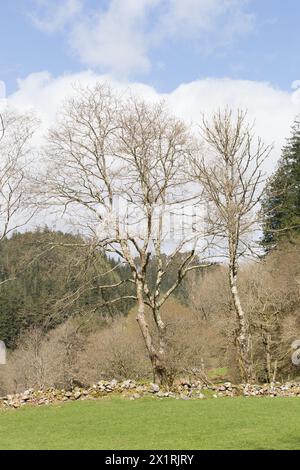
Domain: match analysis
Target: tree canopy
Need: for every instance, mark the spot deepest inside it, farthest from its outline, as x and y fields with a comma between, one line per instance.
x=281, y=204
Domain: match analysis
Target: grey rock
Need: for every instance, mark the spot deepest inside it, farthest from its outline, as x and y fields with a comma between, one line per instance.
x=227, y=385
x=184, y=397
x=154, y=388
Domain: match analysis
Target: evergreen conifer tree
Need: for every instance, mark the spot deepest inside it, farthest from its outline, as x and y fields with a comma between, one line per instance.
x=281, y=204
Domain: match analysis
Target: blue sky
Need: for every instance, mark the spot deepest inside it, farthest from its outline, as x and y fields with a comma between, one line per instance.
x=197, y=55
x=152, y=41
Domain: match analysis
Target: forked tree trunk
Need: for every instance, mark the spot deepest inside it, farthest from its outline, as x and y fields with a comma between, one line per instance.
x=157, y=358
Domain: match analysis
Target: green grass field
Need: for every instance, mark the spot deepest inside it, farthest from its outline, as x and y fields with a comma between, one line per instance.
x=153, y=424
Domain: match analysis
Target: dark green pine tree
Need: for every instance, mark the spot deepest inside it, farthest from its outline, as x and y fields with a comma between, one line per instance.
x=281, y=204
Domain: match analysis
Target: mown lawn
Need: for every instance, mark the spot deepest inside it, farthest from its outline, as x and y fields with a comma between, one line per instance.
x=117, y=424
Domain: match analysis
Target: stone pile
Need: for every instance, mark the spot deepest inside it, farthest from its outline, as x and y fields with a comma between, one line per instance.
x=290, y=389
x=132, y=390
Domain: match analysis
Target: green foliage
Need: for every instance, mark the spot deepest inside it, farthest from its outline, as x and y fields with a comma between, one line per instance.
x=281, y=205
x=51, y=276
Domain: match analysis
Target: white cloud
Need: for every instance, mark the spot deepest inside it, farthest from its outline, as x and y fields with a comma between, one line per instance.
x=296, y=84
x=114, y=39
x=2, y=90
x=198, y=18
x=272, y=109
x=43, y=94
x=52, y=15
x=120, y=36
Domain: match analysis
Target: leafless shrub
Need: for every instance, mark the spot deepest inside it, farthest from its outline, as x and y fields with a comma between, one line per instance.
x=42, y=361
x=115, y=352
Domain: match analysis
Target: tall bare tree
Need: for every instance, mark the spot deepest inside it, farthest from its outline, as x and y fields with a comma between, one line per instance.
x=231, y=173
x=16, y=131
x=116, y=167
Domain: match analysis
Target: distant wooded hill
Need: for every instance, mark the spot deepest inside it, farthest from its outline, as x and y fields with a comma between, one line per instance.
x=46, y=277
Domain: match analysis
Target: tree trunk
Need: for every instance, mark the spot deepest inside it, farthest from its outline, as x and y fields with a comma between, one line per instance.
x=157, y=366
x=267, y=340
x=268, y=358
x=162, y=372
x=243, y=337
x=161, y=375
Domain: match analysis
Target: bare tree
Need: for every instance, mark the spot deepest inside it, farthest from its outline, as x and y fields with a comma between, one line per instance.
x=231, y=173
x=116, y=167
x=16, y=131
